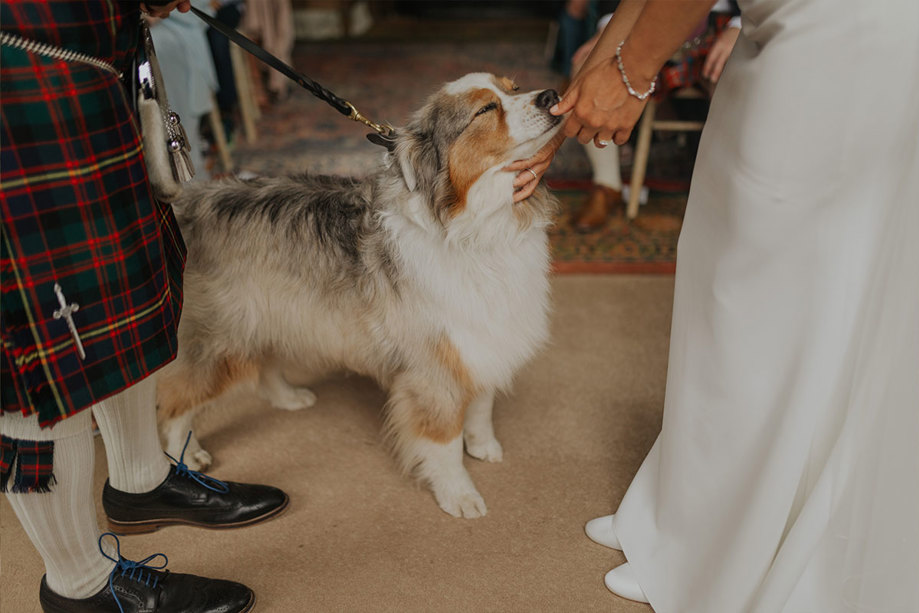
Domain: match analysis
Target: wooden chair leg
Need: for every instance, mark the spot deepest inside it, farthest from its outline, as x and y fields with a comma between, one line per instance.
x=248, y=109
x=640, y=164
x=220, y=136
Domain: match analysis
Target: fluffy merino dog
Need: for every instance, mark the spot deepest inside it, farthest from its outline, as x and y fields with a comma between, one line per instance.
x=425, y=276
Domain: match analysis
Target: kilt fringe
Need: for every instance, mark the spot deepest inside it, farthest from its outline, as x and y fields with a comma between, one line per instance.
x=33, y=462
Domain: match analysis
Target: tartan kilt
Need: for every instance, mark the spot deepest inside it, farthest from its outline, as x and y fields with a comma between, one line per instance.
x=78, y=212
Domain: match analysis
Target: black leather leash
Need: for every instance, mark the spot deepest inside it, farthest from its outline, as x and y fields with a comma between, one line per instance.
x=384, y=133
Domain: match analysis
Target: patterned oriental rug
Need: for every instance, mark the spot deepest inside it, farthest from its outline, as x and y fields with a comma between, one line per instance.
x=387, y=80
x=646, y=245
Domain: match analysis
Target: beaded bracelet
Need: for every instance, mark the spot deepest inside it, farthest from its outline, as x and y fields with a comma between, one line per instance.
x=625, y=78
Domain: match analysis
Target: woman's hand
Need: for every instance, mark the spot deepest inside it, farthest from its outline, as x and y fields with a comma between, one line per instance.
x=163, y=10
x=580, y=56
x=531, y=170
x=601, y=108
x=719, y=54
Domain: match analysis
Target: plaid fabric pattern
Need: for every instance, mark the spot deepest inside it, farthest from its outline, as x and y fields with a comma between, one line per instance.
x=33, y=465
x=7, y=459
x=78, y=213
x=686, y=69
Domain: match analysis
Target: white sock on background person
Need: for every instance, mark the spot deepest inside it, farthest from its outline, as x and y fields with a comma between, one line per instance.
x=605, y=165
x=127, y=422
x=62, y=523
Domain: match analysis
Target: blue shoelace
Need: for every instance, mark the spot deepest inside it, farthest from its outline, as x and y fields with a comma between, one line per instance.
x=137, y=571
x=182, y=469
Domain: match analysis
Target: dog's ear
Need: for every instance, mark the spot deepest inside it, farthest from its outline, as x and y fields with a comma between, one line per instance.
x=417, y=152
x=405, y=156
x=418, y=159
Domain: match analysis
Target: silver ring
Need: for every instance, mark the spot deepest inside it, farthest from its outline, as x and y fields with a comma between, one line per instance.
x=602, y=143
x=535, y=176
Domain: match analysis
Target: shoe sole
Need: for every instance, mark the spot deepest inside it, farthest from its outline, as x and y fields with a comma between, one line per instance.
x=152, y=525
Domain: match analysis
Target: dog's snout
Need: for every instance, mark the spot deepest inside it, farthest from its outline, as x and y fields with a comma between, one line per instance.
x=547, y=99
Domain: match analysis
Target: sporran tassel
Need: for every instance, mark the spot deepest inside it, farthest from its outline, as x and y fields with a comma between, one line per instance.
x=179, y=150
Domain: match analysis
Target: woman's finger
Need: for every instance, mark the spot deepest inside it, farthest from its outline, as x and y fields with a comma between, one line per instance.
x=586, y=135
x=621, y=136
x=541, y=159
x=566, y=103
x=526, y=191
x=717, y=67
x=603, y=139
x=709, y=62
x=525, y=177
x=710, y=66
x=542, y=167
x=572, y=127
x=532, y=174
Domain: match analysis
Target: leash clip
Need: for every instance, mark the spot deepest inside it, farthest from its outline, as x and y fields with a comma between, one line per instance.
x=385, y=134
x=385, y=130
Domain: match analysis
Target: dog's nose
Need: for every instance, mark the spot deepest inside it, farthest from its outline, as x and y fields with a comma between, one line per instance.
x=546, y=99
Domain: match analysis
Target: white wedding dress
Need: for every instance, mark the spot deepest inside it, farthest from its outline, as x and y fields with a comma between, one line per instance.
x=786, y=474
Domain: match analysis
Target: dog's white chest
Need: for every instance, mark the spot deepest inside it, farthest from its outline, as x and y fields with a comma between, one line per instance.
x=492, y=306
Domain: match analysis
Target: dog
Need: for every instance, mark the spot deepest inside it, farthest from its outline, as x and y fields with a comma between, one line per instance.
x=425, y=276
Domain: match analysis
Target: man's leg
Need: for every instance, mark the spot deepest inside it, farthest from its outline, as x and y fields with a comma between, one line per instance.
x=145, y=491
x=607, y=190
x=62, y=523
x=127, y=422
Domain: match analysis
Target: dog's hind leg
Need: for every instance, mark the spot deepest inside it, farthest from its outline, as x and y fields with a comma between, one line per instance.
x=281, y=394
x=174, y=432
x=182, y=388
x=478, y=431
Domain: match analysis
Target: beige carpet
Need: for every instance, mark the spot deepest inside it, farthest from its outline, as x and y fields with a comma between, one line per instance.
x=359, y=538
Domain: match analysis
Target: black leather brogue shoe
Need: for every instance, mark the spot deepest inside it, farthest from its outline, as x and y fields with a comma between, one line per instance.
x=135, y=587
x=191, y=498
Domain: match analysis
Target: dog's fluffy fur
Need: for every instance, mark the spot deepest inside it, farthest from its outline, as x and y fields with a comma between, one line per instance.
x=425, y=276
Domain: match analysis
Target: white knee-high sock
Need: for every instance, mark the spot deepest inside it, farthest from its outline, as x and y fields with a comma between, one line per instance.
x=62, y=523
x=605, y=165
x=127, y=421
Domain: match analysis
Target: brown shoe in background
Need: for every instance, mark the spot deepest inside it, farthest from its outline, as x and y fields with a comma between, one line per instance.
x=599, y=203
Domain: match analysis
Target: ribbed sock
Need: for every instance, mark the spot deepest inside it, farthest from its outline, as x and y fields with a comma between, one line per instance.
x=62, y=523
x=127, y=422
x=605, y=165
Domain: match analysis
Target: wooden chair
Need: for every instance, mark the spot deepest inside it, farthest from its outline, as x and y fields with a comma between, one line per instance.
x=646, y=126
x=248, y=107
x=220, y=136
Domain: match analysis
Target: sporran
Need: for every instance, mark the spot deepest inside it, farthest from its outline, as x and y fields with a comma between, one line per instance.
x=166, y=148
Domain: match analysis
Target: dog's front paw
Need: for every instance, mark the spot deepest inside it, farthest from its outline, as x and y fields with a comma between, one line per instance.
x=468, y=503
x=488, y=450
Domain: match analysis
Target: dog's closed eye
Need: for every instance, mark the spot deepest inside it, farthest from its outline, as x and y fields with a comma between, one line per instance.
x=491, y=106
